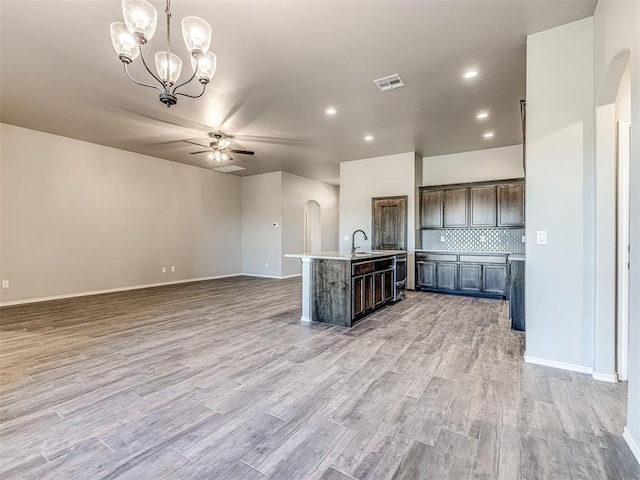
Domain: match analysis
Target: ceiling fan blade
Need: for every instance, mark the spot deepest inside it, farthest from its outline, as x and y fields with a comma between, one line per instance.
x=243, y=152
x=201, y=151
x=195, y=143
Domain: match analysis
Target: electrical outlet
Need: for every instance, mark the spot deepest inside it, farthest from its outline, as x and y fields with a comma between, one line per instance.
x=5, y=283
x=346, y=238
x=524, y=239
x=164, y=269
x=266, y=264
x=173, y=269
x=442, y=239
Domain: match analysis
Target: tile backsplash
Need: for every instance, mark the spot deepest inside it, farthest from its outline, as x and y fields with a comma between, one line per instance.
x=474, y=240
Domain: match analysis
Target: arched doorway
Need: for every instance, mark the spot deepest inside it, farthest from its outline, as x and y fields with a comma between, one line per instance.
x=312, y=227
x=612, y=223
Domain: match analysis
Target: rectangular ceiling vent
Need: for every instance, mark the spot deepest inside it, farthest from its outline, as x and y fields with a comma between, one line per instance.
x=389, y=83
x=229, y=169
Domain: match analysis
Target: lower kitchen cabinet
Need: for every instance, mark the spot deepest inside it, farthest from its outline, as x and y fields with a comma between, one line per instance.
x=494, y=279
x=471, y=278
x=426, y=272
x=446, y=275
x=473, y=274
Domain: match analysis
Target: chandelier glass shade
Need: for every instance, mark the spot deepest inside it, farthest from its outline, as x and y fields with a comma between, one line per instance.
x=139, y=26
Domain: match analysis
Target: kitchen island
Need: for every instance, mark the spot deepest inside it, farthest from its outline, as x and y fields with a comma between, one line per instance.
x=341, y=288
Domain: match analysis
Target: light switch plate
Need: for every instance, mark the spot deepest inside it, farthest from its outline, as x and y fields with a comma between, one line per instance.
x=541, y=237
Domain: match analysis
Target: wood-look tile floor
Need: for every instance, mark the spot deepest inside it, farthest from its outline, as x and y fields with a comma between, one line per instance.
x=219, y=379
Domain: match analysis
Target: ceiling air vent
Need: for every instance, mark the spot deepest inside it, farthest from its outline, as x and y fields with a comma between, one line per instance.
x=229, y=169
x=389, y=83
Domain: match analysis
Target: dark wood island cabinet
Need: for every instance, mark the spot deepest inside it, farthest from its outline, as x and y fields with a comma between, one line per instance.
x=343, y=288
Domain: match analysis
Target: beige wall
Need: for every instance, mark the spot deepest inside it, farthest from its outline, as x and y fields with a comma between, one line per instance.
x=279, y=197
x=296, y=191
x=78, y=217
x=481, y=165
x=362, y=180
x=560, y=128
x=262, y=224
x=617, y=42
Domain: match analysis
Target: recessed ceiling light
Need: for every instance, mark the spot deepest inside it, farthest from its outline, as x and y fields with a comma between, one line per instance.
x=470, y=74
x=482, y=115
x=330, y=111
x=488, y=135
x=368, y=138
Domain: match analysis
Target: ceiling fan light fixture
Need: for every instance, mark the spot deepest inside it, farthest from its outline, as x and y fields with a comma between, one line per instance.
x=197, y=35
x=141, y=18
x=123, y=42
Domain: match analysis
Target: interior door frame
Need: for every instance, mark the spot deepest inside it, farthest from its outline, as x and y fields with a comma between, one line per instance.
x=403, y=198
x=622, y=241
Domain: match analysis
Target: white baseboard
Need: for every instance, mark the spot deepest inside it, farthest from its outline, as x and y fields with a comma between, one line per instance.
x=560, y=365
x=112, y=290
x=633, y=445
x=135, y=287
x=271, y=276
x=605, y=377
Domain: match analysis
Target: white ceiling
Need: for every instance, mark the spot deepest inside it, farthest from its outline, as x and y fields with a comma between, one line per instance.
x=280, y=65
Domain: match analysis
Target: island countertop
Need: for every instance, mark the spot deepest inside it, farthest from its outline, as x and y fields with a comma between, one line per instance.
x=335, y=255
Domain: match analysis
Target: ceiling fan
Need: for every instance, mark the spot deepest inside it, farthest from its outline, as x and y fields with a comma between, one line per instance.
x=219, y=148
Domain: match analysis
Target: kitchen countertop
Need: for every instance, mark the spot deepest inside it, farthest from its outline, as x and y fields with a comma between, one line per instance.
x=347, y=255
x=516, y=257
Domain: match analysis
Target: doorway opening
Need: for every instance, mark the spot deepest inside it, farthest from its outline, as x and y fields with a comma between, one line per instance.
x=623, y=241
x=312, y=227
x=622, y=249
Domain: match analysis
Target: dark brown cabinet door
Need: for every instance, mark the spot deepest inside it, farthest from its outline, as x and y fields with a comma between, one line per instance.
x=446, y=275
x=495, y=279
x=389, y=223
x=471, y=278
x=368, y=292
x=357, y=297
x=426, y=273
x=511, y=205
x=378, y=288
x=483, y=206
x=455, y=208
x=388, y=286
x=431, y=208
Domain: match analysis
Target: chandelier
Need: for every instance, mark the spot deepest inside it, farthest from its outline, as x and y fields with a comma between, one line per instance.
x=129, y=37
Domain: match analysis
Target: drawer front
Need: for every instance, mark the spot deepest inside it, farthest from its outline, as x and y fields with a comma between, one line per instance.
x=362, y=268
x=437, y=257
x=502, y=259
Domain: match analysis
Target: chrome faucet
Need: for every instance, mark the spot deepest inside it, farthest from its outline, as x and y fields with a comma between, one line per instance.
x=353, y=240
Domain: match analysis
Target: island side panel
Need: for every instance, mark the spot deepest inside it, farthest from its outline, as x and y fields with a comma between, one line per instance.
x=331, y=291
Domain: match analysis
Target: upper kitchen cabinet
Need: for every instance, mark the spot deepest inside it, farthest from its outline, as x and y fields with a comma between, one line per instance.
x=431, y=208
x=511, y=205
x=483, y=206
x=473, y=205
x=455, y=208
